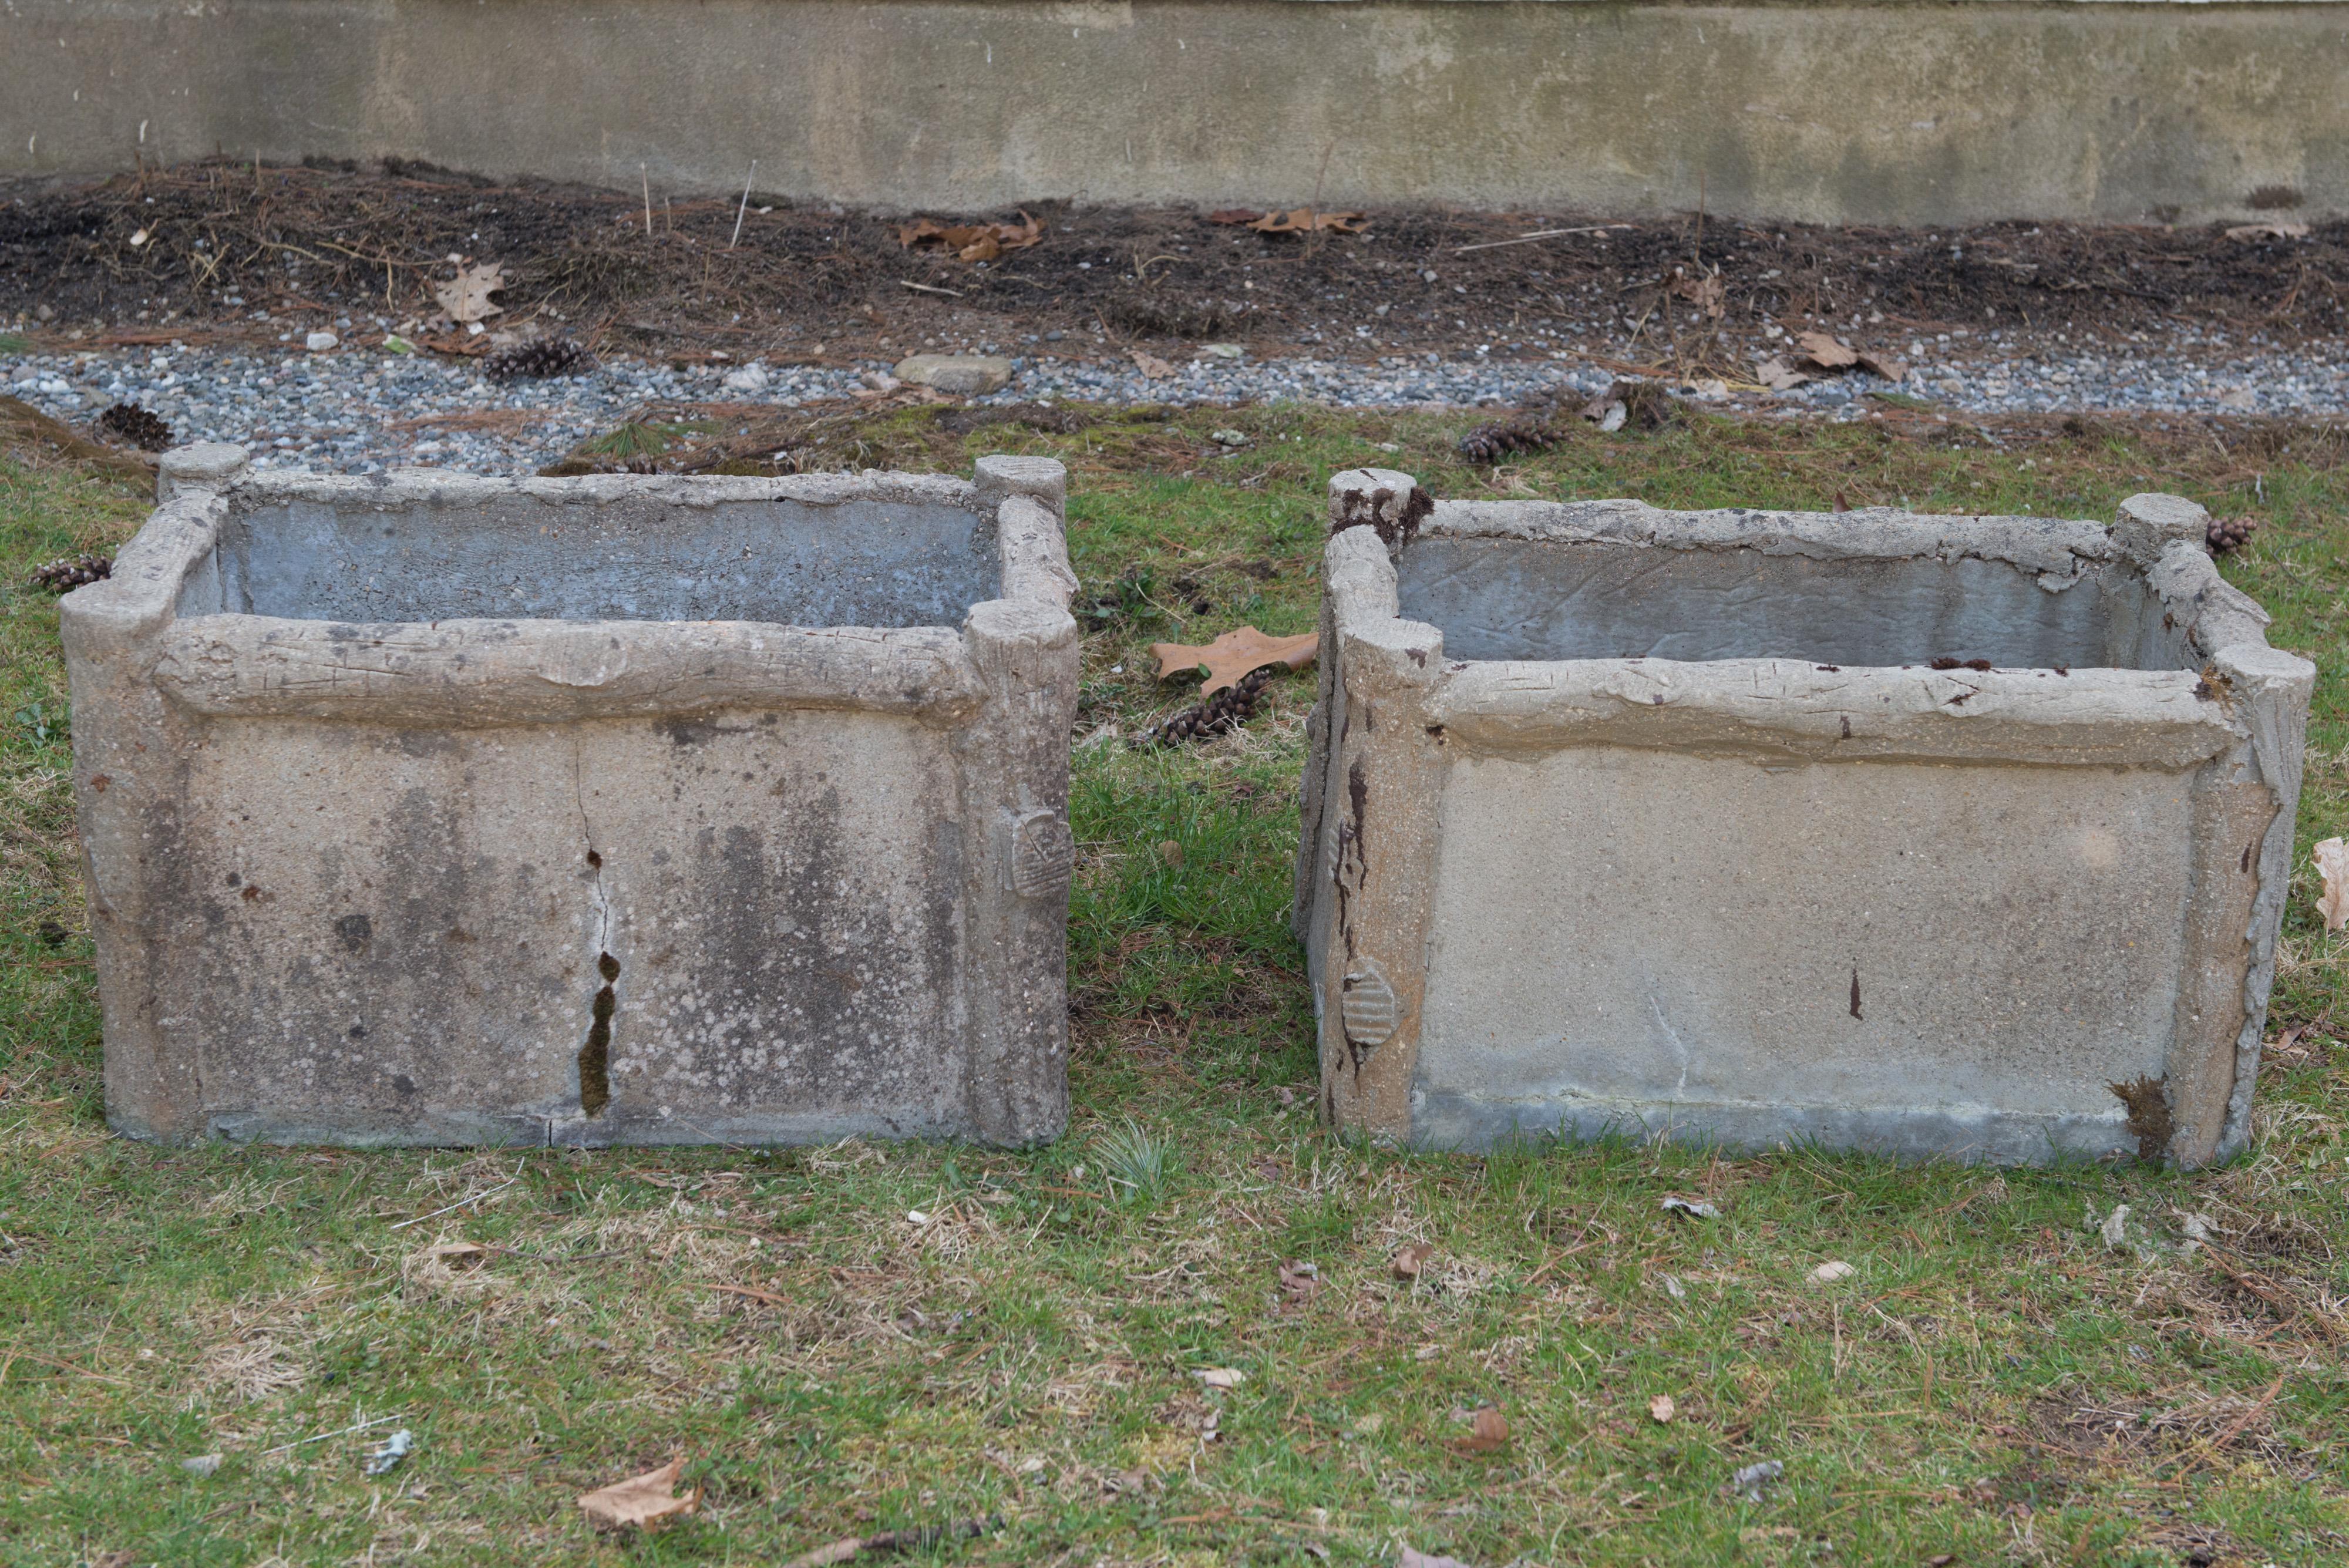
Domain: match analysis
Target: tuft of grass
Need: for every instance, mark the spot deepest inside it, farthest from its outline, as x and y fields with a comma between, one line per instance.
x=636, y=440
x=1136, y=1162
x=1991, y=1382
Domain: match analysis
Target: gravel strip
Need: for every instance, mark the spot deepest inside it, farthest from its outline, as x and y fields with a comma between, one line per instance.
x=359, y=410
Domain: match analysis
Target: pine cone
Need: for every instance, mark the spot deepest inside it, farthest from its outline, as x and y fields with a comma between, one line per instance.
x=1490, y=444
x=129, y=423
x=67, y=573
x=2226, y=534
x=1226, y=710
x=537, y=360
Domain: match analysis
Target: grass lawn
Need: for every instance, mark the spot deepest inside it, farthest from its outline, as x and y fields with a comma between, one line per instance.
x=1991, y=1383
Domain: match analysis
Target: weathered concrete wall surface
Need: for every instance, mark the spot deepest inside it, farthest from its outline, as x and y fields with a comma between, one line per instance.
x=1901, y=113
x=1673, y=838
x=748, y=850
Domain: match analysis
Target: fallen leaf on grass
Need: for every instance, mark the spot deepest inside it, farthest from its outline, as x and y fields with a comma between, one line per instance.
x=640, y=1502
x=2268, y=232
x=1410, y=1559
x=1221, y=1377
x=1675, y=1204
x=1150, y=365
x=1410, y=1262
x=2331, y=859
x=458, y=1254
x=1663, y=1408
x=1299, y=1280
x=1306, y=221
x=971, y=242
x=466, y=296
x=1235, y=655
x=1827, y=1274
x=1488, y=1430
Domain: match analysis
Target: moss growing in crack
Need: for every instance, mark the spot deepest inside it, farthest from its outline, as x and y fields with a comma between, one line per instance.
x=596, y=1056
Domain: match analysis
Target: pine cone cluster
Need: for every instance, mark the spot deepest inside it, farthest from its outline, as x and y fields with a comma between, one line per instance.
x=537, y=360
x=67, y=573
x=2226, y=534
x=1491, y=443
x=129, y=423
x=1226, y=710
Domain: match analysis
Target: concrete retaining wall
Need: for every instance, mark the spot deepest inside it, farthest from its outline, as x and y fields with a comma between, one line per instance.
x=1894, y=114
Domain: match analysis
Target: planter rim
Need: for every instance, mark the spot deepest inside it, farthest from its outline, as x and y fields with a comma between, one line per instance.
x=473, y=671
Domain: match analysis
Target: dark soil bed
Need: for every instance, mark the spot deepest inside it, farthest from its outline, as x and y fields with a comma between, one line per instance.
x=199, y=248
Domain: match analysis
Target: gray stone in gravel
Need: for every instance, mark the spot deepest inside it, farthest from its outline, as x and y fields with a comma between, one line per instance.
x=965, y=375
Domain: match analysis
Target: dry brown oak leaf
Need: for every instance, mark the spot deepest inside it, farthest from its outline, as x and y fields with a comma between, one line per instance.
x=642, y=1503
x=1826, y=352
x=972, y=242
x=1306, y=221
x=1488, y=1430
x=1235, y=654
x=466, y=297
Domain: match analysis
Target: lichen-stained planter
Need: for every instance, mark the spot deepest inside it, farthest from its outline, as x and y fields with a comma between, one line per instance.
x=449, y=810
x=1934, y=836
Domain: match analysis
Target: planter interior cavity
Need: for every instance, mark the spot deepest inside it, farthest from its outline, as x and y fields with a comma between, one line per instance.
x=1959, y=837
x=594, y=811
x=1506, y=598
x=879, y=562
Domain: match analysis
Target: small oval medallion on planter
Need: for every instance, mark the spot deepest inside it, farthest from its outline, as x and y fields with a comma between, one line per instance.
x=1368, y=1008
x=1042, y=851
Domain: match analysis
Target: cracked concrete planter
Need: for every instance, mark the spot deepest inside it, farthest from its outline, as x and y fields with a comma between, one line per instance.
x=447, y=810
x=1665, y=822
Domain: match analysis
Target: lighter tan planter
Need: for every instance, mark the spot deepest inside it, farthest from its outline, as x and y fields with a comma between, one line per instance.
x=1663, y=823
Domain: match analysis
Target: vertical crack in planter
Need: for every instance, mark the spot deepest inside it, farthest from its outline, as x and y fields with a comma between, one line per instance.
x=1964, y=836
x=344, y=745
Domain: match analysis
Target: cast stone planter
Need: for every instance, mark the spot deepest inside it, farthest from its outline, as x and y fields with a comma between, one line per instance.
x=449, y=810
x=1665, y=822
